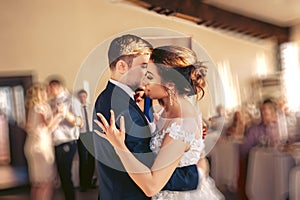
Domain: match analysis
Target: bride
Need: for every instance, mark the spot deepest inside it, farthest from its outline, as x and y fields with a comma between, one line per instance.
x=174, y=74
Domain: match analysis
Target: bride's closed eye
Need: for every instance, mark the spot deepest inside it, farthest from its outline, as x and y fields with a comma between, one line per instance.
x=149, y=76
x=144, y=66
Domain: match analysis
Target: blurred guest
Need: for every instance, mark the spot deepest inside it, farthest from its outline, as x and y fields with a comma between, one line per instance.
x=236, y=130
x=287, y=122
x=235, y=133
x=266, y=132
x=39, y=150
x=4, y=139
x=282, y=120
x=65, y=136
x=85, y=144
x=217, y=121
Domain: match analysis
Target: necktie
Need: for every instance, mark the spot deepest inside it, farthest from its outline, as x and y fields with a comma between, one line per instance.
x=87, y=126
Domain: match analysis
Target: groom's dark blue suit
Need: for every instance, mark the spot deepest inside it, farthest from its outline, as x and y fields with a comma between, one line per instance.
x=114, y=182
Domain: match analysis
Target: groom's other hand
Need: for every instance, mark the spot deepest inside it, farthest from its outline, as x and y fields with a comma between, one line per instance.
x=203, y=165
x=204, y=130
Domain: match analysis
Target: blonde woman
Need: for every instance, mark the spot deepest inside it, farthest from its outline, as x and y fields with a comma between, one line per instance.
x=39, y=150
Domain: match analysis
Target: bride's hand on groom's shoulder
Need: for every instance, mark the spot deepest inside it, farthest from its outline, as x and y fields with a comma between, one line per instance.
x=111, y=133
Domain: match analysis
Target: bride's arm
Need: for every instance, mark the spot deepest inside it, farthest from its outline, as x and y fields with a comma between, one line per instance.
x=49, y=120
x=151, y=181
x=54, y=121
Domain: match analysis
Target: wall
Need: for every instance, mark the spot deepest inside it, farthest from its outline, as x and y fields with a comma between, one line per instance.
x=295, y=36
x=56, y=37
x=295, y=33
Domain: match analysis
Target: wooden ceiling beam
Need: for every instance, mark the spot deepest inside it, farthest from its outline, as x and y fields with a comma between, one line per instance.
x=204, y=14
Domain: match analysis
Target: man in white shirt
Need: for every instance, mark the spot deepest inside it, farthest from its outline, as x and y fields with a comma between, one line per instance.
x=66, y=134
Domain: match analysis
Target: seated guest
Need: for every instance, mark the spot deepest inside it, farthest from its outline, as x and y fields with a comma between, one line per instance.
x=266, y=132
x=217, y=121
x=287, y=122
x=263, y=133
x=237, y=128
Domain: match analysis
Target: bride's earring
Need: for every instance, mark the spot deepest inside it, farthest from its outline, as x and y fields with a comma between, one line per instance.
x=170, y=97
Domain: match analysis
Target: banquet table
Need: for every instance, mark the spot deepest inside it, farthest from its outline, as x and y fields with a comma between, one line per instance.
x=210, y=140
x=294, y=183
x=225, y=164
x=268, y=174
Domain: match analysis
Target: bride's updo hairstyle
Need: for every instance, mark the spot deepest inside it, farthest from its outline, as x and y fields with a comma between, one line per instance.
x=180, y=65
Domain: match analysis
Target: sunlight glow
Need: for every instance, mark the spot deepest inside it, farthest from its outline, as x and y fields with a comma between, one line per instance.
x=291, y=74
x=261, y=64
x=231, y=85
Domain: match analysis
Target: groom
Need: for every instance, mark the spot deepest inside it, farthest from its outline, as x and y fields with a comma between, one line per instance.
x=128, y=57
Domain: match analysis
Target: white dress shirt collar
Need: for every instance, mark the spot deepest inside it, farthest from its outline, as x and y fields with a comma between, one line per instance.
x=124, y=87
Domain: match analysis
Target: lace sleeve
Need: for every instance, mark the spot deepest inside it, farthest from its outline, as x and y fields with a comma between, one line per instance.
x=182, y=131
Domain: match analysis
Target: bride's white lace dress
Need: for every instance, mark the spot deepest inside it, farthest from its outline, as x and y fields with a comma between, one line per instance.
x=188, y=130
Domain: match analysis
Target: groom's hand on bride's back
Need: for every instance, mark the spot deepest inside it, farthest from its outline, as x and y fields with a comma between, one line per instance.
x=203, y=165
x=204, y=129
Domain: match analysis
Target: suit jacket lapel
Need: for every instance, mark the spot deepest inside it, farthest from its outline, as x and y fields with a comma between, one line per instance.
x=114, y=88
x=133, y=103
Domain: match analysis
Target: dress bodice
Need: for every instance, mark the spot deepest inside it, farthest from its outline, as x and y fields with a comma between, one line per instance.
x=38, y=115
x=187, y=129
x=190, y=131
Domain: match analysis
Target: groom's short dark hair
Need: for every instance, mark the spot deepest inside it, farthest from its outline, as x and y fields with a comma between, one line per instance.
x=126, y=47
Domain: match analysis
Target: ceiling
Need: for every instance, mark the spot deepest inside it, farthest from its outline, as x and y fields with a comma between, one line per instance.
x=257, y=18
x=278, y=12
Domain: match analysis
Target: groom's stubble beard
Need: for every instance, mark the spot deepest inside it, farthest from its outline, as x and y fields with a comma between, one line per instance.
x=133, y=78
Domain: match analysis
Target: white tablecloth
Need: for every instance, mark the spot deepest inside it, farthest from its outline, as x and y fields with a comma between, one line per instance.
x=268, y=174
x=210, y=140
x=225, y=164
x=294, y=185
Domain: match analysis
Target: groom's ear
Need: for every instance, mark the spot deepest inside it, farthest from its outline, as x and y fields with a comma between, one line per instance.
x=122, y=67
